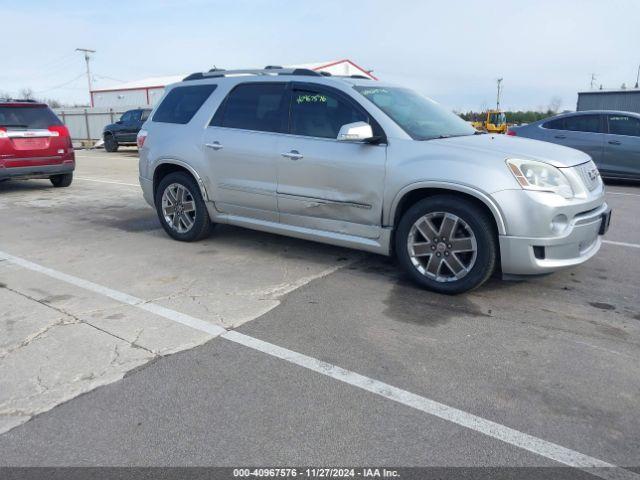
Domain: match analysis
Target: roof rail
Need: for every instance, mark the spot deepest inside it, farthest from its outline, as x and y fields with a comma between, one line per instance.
x=18, y=100
x=269, y=70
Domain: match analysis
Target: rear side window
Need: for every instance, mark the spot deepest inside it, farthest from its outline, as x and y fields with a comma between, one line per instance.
x=182, y=103
x=145, y=115
x=254, y=106
x=557, y=124
x=27, y=117
x=624, y=125
x=320, y=114
x=583, y=123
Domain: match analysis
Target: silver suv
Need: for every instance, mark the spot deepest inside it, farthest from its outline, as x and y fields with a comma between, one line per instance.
x=368, y=165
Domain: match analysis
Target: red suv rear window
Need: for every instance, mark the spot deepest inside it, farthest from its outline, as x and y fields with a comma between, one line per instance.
x=27, y=117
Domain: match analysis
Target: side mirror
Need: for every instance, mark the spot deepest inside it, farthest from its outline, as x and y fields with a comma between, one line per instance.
x=119, y=122
x=355, y=132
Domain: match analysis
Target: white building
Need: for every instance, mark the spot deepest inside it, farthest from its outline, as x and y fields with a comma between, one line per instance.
x=149, y=90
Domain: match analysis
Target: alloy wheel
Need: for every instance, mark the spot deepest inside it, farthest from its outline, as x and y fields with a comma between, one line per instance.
x=178, y=208
x=442, y=246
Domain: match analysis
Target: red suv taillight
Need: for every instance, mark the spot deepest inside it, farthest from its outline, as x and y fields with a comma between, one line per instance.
x=63, y=132
x=140, y=139
x=511, y=133
x=3, y=145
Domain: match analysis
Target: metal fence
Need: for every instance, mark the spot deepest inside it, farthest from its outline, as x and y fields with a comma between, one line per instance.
x=86, y=124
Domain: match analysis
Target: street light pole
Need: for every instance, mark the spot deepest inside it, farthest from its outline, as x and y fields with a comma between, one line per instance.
x=86, y=52
x=499, y=91
x=638, y=76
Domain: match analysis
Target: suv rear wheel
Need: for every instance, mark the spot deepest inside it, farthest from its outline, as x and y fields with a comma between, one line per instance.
x=446, y=244
x=181, y=209
x=60, y=181
x=110, y=143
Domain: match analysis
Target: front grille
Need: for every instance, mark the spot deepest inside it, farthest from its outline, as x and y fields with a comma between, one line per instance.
x=590, y=175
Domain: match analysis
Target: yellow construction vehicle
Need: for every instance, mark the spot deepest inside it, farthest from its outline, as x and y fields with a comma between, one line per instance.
x=495, y=122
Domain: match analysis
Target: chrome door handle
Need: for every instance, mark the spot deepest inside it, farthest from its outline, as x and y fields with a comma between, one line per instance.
x=293, y=155
x=214, y=145
x=614, y=142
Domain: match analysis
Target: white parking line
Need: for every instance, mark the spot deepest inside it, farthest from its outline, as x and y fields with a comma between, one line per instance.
x=107, y=181
x=621, y=244
x=498, y=431
x=624, y=193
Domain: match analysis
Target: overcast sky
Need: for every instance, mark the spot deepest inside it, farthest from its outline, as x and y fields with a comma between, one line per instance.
x=452, y=51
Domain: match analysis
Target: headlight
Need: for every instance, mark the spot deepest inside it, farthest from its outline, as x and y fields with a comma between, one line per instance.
x=542, y=177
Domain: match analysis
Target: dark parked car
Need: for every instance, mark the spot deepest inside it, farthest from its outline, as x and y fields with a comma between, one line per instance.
x=611, y=138
x=125, y=130
x=34, y=143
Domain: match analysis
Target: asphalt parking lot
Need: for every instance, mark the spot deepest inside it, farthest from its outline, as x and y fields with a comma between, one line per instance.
x=119, y=346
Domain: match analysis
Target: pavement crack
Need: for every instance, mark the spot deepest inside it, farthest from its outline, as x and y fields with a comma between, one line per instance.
x=65, y=321
x=132, y=343
x=35, y=336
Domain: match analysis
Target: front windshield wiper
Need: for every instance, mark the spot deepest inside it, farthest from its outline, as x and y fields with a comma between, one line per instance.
x=478, y=132
x=13, y=125
x=440, y=137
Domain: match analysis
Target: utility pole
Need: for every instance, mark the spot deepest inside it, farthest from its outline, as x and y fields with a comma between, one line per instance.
x=499, y=92
x=593, y=80
x=638, y=77
x=86, y=52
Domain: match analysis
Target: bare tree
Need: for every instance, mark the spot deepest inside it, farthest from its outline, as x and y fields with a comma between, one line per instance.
x=26, y=93
x=554, y=104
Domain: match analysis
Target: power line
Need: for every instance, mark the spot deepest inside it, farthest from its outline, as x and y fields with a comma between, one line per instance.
x=61, y=85
x=53, y=69
x=55, y=61
x=109, y=78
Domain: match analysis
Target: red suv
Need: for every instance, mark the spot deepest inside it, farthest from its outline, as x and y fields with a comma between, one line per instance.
x=34, y=143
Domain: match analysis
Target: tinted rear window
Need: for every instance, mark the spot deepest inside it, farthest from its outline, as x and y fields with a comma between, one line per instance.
x=255, y=106
x=182, y=103
x=557, y=124
x=37, y=116
x=624, y=125
x=583, y=123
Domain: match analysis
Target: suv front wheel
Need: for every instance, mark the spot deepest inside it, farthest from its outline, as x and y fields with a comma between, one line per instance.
x=446, y=244
x=181, y=209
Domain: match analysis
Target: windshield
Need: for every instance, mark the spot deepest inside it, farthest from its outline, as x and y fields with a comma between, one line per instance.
x=497, y=118
x=420, y=117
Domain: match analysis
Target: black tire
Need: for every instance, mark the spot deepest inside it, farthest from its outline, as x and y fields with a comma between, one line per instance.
x=110, y=143
x=202, y=224
x=61, y=181
x=480, y=224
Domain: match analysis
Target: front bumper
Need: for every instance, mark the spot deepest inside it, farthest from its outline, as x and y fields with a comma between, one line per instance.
x=580, y=241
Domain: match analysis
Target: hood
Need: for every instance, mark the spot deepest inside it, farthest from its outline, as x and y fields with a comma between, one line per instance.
x=517, y=147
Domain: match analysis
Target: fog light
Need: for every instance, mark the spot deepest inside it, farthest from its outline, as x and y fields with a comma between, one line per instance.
x=559, y=223
x=539, y=252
